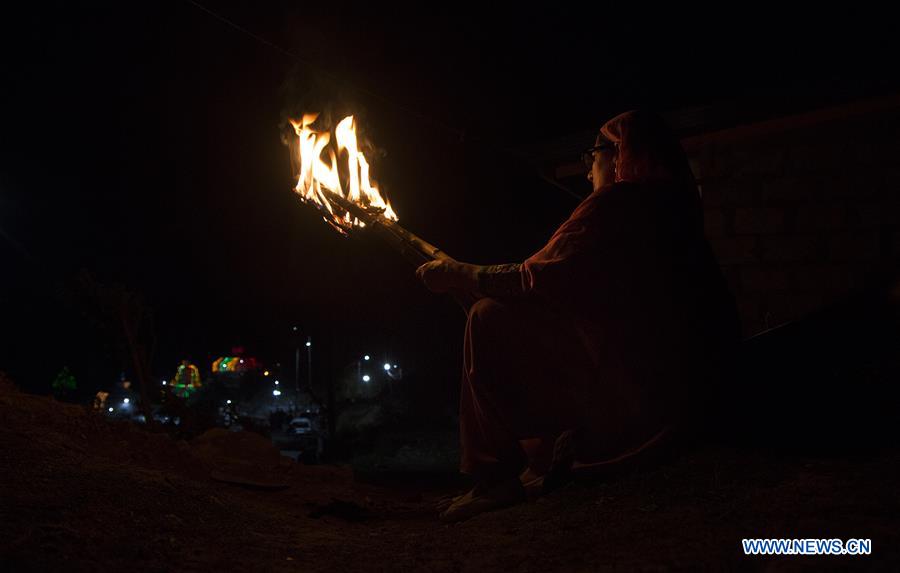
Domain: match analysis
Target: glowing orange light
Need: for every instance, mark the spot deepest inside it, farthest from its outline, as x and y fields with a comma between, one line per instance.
x=317, y=176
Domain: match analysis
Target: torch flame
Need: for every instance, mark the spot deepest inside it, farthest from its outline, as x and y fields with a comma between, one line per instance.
x=316, y=175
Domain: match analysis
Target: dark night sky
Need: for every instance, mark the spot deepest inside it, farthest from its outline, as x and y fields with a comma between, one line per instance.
x=141, y=142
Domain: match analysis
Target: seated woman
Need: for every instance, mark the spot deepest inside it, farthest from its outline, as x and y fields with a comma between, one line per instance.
x=614, y=333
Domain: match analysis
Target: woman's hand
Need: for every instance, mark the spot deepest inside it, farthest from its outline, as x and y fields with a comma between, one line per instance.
x=448, y=275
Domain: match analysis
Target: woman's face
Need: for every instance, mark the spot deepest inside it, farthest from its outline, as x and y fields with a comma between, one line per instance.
x=603, y=170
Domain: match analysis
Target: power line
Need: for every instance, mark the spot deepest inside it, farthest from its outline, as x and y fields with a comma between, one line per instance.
x=459, y=133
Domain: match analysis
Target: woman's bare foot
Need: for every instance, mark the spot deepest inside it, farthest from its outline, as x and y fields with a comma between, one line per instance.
x=484, y=498
x=563, y=459
x=443, y=503
x=532, y=482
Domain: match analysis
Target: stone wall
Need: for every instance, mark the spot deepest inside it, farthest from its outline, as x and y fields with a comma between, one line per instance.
x=801, y=215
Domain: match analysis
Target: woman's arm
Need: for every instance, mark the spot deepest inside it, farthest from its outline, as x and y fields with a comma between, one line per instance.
x=500, y=280
x=485, y=280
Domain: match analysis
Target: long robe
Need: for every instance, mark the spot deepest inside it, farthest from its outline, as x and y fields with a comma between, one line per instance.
x=622, y=329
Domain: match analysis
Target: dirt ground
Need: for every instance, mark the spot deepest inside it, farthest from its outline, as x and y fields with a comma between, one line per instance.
x=81, y=493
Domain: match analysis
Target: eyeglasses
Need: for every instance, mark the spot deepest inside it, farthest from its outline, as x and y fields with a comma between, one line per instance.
x=587, y=156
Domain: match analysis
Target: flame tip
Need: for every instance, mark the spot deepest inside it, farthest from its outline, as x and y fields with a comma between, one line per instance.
x=315, y=174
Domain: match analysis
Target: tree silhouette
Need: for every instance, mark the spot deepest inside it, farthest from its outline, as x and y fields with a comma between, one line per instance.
x=123, y=315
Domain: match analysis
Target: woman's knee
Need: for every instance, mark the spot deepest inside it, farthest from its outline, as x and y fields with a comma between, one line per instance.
x=485, y=310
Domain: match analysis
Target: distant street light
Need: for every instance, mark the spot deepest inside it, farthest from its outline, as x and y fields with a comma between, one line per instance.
x=309, y=363
x=387, y=366
x=366, y=357
x=366, y=378
x=297, y=370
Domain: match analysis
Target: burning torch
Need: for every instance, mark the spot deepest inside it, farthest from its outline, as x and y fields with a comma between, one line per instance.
x=358, y=203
